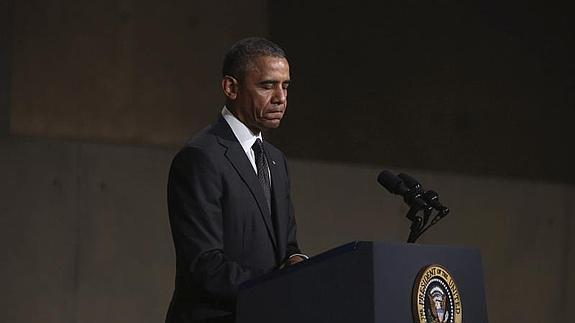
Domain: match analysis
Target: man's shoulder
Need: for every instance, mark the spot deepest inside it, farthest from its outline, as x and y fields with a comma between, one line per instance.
x=209, y=137
x=204, y=144
x=203, y=139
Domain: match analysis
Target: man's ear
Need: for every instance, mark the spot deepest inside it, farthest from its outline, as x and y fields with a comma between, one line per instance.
x=230, y=87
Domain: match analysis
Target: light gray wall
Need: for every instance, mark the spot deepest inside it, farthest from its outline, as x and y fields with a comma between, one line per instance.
x=85, y=235
x=85, y=232
x=523, y=229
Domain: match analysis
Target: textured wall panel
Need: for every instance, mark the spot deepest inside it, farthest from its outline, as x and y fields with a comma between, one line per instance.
x=520, y=227
x=38, y=231
x=126, y=255
x=336, y=204
x=123, y=71
x=85, y=235
x=568, y=297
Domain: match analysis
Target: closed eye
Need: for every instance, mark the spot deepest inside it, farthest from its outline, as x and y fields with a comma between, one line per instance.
x=268, y=85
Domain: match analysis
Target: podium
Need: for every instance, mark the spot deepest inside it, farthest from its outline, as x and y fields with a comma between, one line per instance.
x=366, y=282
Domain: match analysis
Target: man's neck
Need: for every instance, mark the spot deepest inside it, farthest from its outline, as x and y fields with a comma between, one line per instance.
x=255, y=131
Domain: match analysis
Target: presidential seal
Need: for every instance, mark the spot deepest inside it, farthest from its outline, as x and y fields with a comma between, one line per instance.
x=435, y=297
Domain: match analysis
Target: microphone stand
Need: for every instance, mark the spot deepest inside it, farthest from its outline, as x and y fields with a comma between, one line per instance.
x=419, y=222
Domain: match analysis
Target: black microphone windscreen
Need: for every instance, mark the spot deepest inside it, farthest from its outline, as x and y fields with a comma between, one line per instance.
x=390, y=181
x=395, y=185
x=409, y=181
x=431, y=195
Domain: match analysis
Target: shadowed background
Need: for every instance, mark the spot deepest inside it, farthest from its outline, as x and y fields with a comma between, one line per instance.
x=474, y=99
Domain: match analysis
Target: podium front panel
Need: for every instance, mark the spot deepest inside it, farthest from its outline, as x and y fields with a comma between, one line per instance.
x=360, y=282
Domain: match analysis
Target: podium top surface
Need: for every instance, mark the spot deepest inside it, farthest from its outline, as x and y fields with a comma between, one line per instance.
x=358, y=245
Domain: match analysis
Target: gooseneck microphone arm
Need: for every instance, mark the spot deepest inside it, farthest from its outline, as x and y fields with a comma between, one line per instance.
x=418, y=200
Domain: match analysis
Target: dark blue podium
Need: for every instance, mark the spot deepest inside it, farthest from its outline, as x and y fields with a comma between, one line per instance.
x=360, y=282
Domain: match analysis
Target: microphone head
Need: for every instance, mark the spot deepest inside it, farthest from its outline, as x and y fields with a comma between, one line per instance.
x=395, y=185
x=391, y=182
x=431, y=195
x=411, y=182
x=432, y=198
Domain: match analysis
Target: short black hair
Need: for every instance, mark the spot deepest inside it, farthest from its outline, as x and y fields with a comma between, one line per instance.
x=238, y=59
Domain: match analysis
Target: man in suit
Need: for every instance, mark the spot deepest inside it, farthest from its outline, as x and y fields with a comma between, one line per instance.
x=229, y=200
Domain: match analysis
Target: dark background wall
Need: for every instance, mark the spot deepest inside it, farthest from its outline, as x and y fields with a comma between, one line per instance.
x=480, y=87
x=476, y=100
x=138, y=72
x=6, y=41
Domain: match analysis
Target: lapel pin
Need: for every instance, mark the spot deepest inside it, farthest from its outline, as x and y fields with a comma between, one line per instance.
x=273, y=162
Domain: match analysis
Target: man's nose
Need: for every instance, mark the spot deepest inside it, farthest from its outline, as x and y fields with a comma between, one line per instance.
x=279, y=95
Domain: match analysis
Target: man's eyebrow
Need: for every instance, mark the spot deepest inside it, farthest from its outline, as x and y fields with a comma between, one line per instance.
x=274, y=82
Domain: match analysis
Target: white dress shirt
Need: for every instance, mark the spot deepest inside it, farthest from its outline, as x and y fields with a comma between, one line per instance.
x=244, y=135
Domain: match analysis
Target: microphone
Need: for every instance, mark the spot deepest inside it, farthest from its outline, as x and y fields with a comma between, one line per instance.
x=431, y=197
x=395, y=185
x=411, y=182
x=414, y=195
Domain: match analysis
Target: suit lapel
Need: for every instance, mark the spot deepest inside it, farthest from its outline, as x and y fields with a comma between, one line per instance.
x=237, y=157
x=278, y=203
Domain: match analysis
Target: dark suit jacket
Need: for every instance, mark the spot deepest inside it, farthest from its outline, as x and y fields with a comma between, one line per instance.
x=223, y=232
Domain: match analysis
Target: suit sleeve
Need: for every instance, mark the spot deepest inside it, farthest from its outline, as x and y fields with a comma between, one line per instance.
x=195, y=189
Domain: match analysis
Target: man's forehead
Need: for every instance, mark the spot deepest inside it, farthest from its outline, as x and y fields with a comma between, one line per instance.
x=263, y=65
x=264, y=61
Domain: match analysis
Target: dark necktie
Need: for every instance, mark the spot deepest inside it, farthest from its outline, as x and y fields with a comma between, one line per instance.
x=263, y=170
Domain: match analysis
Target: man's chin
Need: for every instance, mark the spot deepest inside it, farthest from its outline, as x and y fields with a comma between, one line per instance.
x=271, y=124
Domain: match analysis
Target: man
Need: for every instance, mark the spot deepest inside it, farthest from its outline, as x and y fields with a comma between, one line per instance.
x=229, y=192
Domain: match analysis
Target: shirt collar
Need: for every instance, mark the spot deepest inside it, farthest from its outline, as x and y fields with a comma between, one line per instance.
x=244, y=135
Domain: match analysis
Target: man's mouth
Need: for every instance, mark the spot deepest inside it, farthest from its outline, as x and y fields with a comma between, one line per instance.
x=274, y=115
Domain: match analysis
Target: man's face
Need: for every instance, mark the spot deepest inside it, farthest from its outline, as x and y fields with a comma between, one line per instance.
x=261, y=97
